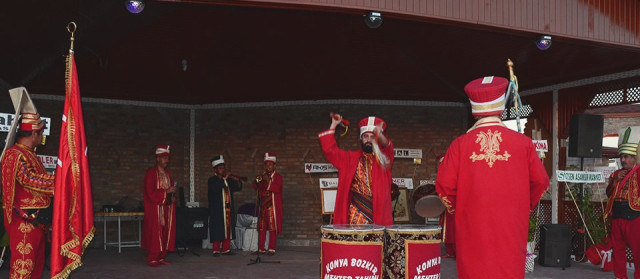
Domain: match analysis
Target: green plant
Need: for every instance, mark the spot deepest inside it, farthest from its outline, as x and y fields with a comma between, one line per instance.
x=593, y=220
x=533, y=224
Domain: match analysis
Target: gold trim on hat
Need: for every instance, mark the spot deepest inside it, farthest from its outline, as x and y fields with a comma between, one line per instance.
x=628, y=148
x=32, y=119
x=489, y=107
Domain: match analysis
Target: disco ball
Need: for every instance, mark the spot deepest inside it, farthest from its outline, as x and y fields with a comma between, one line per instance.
x=134, y=6
x=544, y=42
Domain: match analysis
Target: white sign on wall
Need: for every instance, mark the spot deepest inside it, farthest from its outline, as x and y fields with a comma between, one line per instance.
x=6, y=120
x=541, y=145
x=319, y=168
x=403, y=182
x=333, y=182
x=579, y=176
x=328, y=183
x=407, y=153
x=49, y=162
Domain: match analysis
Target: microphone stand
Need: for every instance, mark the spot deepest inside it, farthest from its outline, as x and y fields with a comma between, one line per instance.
x=257, y=260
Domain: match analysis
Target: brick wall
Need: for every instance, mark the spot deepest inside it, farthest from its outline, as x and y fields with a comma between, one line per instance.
x=613, y=124
x=122, y=141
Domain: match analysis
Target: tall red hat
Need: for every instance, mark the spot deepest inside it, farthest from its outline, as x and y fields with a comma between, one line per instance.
x=31, y=122
x=487, y=95
x=270, y=157
x=369, y=123
x=162, y=151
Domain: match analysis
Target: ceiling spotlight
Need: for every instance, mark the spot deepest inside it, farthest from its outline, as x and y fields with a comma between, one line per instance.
x=373, y=19
x=544, y=42
x=134, y=6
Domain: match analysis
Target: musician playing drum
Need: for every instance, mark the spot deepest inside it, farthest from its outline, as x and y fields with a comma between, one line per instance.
x=364, y=182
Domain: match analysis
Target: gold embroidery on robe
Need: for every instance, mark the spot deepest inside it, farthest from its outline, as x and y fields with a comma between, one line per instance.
x=490, y=144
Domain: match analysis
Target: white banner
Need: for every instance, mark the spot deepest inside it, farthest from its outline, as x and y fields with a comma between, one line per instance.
x=6, y=120
x=579, y=176
x=407, y=153
x=606, y=171
x=541, y=145
x=599, y=192
x=49, y=162
x=328, y=183
x=319, y=168
x=333, y=182
x=403, y=182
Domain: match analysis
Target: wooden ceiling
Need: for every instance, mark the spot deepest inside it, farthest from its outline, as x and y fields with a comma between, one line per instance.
x=215, y=54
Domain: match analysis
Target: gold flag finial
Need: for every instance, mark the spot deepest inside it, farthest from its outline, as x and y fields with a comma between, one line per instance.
x=512, y=93
x=71, y=28
x=512, y=76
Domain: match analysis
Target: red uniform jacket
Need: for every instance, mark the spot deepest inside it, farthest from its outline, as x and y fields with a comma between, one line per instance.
x=346, y=161
x=633, y=192
x=26, y=183
x=155, y=238
x=276, y=196
x=491, y=178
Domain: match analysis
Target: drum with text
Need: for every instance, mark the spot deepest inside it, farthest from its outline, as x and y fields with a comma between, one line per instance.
x=412, y=251
x=352, y=251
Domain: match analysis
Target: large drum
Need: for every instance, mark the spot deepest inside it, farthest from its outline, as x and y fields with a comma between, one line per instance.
x=412, y=251
x=426, y=201
x=352, y=250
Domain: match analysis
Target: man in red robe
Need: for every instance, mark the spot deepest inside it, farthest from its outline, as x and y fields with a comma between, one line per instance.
x=364, y=178
x=624, y=204
x=491, y=178
x=27, y=189
x=159, y=226
x=269, y=187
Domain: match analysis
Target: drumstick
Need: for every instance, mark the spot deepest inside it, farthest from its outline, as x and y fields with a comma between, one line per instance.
x=343, y=123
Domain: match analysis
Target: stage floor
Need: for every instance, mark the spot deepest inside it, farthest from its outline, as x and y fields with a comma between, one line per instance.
x=295, y=262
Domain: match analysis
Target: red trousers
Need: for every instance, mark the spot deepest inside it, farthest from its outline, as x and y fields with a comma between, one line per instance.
x=156, y=256
x=226, y=246
x=262, y=236
x=27, y=249
x=625, y=233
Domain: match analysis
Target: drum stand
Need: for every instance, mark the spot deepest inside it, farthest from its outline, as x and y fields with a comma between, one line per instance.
x=257, y=260
x=183, y=248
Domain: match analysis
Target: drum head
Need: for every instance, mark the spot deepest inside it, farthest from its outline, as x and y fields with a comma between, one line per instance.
x=423, y=190
x=429, y=206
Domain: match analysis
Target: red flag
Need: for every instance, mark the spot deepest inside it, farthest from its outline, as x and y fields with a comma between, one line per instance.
x=73, y=205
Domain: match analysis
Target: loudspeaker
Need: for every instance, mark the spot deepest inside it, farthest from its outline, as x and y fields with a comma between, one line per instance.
x=585, y=135
x=181, y=197
x=555, y=245
x=192, y=223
